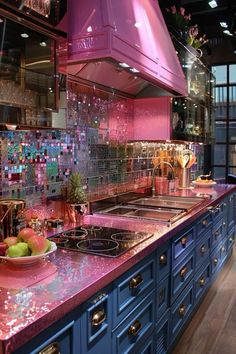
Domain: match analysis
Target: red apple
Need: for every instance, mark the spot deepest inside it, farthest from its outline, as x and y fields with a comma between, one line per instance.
x=25, y=234
x=3, y=248
x=38, y=245
x=10, y=241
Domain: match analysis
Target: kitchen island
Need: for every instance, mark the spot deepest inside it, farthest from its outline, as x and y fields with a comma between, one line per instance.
x=84, y=303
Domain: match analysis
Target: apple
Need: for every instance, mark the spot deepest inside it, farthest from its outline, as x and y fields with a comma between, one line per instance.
x=14, y=251
x=3, y=248
x=24, y=248
x=25, y=234
x=38, y=245
x=10, y=241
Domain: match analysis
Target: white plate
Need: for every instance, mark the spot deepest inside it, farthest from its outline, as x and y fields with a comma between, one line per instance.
x=27, y=260
x=203, y=184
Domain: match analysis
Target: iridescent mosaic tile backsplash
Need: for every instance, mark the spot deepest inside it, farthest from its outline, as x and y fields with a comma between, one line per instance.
x=35, y=165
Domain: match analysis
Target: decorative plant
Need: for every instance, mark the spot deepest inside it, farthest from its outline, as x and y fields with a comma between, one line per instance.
x=76, y=193
x=181, y=22
x=178, y=19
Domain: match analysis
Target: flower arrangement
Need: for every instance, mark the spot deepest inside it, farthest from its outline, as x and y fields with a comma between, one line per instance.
x=178, y=18
x=182, y=22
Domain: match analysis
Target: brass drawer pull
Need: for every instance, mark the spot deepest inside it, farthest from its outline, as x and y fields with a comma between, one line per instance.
x=223, y=249
x=182, y=310
x=98, y=318
x=203, y=249
x=183, y=272
x=184, y=241
x=205, y=223
x=134, y=328
x=215, y=261
x=163, y=259
x=52, y=348
x=136, y=281
x=216, y=234
x=202, y=281
x=231, y=240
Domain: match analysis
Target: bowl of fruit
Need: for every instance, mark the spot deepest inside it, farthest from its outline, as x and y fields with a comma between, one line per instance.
x=27, y=248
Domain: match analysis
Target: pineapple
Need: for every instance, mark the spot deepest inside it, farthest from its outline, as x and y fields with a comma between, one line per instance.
x=76, y=193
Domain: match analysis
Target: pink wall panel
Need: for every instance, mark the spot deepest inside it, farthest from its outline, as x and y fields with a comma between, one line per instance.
x=152, y=118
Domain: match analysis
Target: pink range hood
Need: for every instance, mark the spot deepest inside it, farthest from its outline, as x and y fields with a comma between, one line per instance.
x=124, y=45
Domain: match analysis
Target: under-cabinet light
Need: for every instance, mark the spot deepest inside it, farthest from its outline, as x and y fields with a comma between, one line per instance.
x=212, y=4
x=224, y=24
x=24, y=35
x=227, y=32
x=43, y=44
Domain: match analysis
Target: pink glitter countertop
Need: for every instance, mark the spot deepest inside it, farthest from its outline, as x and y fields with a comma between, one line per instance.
x=32, y=298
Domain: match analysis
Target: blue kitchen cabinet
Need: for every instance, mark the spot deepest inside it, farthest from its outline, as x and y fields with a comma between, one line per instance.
x=231, y=211
x=60, y=338
x=162, y=334
x=96, y=323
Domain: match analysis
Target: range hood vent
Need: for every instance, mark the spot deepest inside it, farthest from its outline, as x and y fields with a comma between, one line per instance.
x=124, y=45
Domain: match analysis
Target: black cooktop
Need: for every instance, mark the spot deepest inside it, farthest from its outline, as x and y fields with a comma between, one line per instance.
x=99, y=240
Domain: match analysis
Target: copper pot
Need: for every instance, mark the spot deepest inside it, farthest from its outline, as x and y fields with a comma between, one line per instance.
x=76, y=212
x=11, y=216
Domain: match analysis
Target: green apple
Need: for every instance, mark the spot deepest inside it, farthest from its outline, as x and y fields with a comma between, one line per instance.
x=49, y=245
x=14, y=251
x=24, y=248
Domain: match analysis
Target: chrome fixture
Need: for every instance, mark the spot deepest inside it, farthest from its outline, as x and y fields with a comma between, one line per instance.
x=154, y=171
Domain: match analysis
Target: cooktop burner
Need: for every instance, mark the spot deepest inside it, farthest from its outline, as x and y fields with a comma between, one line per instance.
x=99, y=240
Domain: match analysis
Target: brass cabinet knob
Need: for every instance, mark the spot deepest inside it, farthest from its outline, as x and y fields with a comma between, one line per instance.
x=163, y=259
x=215, y=261
x=205, y=223
x=203, y=250
x=52, y=348
x=134, y=328
x=136, y=281
x=202, y=281
x=224, y=204
x=183, y=272
x=184, y=241
x=223, y=249
x=98, y=317
x=216, y=234
x=231, y=240
x=182, y=310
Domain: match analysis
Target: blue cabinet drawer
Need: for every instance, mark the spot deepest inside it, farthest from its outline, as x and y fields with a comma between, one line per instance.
x=62, y=338
x=162, y=334
x=218, y=233
x=182, y=245
x=136, y=328
x=163, y=261
x=216, y=260
x=147, y=347
x=181, y=275
x=204, y=224
x=219, y=211
x=231, y=239
x=181, y=310
x=96, y=321
x=162, y=297
x=224, y=250
x=131, y=288
x=203, y=249
x=231, y=211
x=201, y=281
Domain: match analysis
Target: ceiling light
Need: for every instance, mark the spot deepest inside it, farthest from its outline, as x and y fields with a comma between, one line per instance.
x=138, y=24
x=43, y=44
x=24, y=35
x=227, y=32
x=224, y=24
x=213, y=4
x=134, y=70
x=124, y=65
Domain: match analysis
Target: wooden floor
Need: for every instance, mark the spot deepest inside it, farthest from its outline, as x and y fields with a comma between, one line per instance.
x=212, y=330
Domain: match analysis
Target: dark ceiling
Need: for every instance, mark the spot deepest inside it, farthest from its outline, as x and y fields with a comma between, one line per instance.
x=220, y=46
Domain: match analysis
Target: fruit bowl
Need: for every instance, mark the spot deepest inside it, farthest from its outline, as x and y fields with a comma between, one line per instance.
x=204, y=183
x=28, y=260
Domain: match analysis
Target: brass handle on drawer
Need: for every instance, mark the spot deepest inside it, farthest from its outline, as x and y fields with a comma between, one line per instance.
x=98, y=318
x=134, y=328
x=224, y=204
x=163, y=259
x=184, y=241
x=182, y=310
x=203, y=249
x=205, y=223
x=183, y=272
x=215, y=261
x=202, y=281
x=231, y=240
x=136, y=281
x=224, y=223
x=216, y=234
x=52, y=348
x=222, y=248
